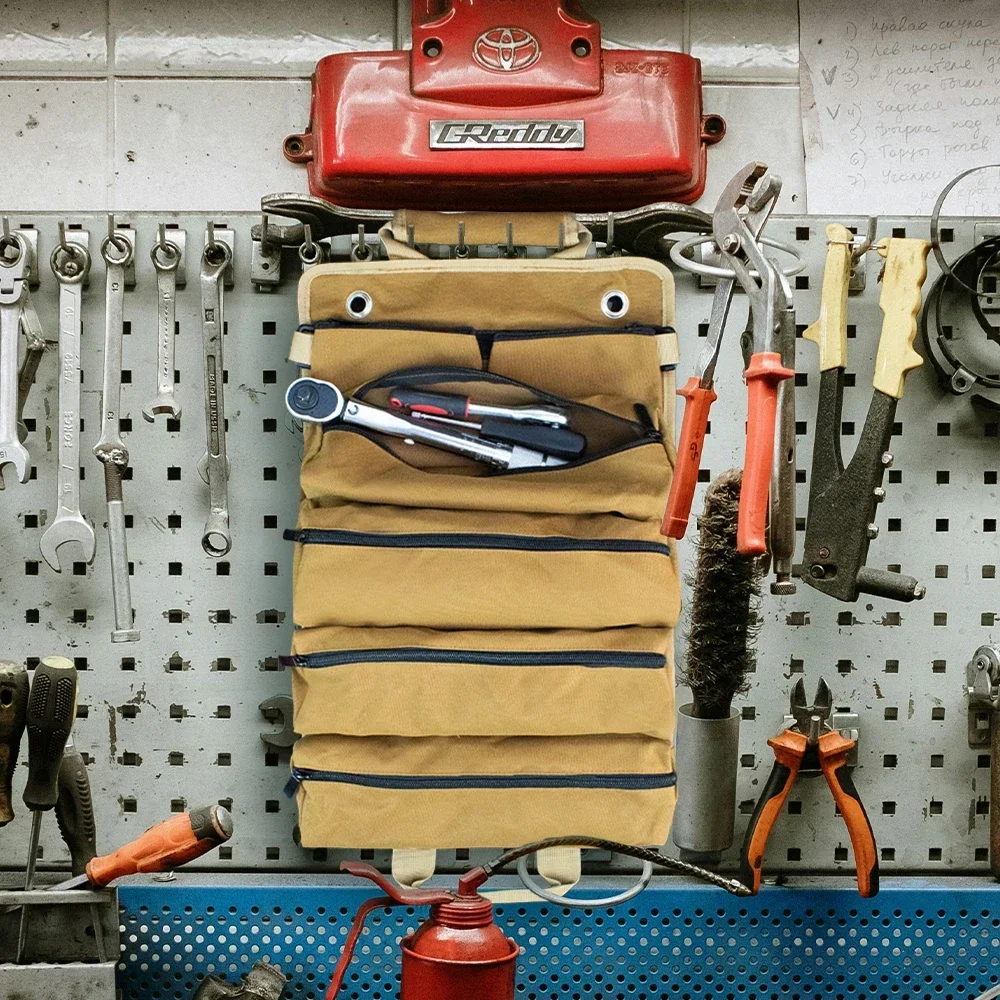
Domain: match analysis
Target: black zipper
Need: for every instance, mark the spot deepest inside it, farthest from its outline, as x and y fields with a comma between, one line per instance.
x=424, y=654
x=636, y=329
x=618, y=782
x=469, y=540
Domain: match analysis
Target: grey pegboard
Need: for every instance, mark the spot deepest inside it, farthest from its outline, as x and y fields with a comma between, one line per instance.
x=179, y=724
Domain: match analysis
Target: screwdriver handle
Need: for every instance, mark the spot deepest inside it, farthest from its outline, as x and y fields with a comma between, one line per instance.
x=51, y=710
x=166, y=846
x=75, y=809
x=763, y=375
x=698, y=402
x=13, y=712
x=438, y=404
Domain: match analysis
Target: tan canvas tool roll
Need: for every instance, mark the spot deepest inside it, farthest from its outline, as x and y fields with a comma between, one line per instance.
x=484, y=658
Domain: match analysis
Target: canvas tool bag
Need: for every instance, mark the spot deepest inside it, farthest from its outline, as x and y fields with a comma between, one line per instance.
x=484, y=658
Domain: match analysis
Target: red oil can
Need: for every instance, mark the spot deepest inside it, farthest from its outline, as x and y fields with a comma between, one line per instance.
x=503, y=105
x=458, y=953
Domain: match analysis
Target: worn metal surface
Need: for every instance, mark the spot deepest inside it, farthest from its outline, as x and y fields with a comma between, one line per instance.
x=172, y=721
x=916, y=940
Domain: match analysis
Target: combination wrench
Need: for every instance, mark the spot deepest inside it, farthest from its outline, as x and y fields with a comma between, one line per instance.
x=214, y=465
x=166, y=257
x=118, y=252
x=70, y=263
x=13, y=289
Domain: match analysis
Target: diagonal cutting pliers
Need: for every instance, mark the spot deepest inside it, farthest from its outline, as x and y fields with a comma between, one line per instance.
x=811, y=742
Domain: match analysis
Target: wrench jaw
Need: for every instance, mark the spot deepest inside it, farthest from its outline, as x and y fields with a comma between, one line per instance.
x=14, y=453
x=162, y=404
x=64, y=529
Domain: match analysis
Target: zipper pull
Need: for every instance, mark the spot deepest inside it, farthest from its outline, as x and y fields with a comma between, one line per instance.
x=292, y=786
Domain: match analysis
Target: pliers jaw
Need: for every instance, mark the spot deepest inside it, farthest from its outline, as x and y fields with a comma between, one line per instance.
x=793, y=748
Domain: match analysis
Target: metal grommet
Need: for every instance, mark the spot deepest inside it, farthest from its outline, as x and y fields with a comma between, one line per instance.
x=359, y=305
x=614, y=304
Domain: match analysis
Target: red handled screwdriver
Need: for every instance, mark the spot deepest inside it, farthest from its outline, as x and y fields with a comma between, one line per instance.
x=13, y=712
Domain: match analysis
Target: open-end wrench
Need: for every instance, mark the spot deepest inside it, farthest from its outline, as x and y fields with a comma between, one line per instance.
x=166, y=257
x=13, y=288
x=118, y=251
x=34, y=336
x=214, y=465
x=70, y=264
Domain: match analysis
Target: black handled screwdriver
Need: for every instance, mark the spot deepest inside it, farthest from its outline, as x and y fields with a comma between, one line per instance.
x=13, y=712
x=51, y=711
x=75, y=809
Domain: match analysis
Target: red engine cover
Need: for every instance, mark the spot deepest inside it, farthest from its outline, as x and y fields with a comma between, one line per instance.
x=505, y=105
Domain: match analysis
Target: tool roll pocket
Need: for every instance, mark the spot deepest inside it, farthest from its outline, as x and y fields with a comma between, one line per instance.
x=483, y=655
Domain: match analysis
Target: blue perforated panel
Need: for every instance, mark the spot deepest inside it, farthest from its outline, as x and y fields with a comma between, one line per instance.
x=913, y=942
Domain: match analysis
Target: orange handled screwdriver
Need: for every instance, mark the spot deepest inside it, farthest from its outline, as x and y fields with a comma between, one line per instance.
x=163, y=847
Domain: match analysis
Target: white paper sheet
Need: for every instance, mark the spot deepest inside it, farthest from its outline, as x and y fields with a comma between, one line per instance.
x=898, y=98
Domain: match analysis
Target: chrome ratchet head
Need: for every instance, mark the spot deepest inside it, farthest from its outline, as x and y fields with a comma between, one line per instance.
x=315, y=401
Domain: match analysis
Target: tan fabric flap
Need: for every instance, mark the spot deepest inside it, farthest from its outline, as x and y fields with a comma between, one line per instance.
x=529, y=228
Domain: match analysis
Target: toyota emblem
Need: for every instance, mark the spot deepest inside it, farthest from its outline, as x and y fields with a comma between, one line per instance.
x=506, y=50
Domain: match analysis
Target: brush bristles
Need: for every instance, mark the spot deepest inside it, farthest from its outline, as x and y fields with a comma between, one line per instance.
x=725, y=606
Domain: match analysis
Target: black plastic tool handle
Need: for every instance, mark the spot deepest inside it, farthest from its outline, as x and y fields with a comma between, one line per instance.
x=559, y=441
x=13, y=712
x=51, y=710
x=75, y=810
x=437, y=404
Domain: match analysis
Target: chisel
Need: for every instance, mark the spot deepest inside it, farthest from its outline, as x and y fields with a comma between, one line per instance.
x=51, y=710
x=13, y=712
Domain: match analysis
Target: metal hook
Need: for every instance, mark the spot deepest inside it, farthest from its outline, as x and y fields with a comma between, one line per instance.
x=411, y=237
x=511, y=249
x=461, y=250
x=310, y=246
x=609, y=239
x=211, y=236
x=161, y=237
x=866, y=244
x=62, y=238
x=263, y=234
x=6, y=228
x=361, y=251
x=562, y=236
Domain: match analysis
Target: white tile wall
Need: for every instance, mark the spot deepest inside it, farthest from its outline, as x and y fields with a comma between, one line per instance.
x=183, y=104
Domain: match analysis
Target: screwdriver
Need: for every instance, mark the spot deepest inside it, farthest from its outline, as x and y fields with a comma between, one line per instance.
x=163, y=847
x=13, y=711
x=75, y=809
x=51, y=710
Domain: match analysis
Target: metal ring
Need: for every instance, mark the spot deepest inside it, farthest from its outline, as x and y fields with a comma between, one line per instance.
x=356, y=310
x=169, y=250
x=583, y=904
x=115, y=241
x=12, y=240
x=315, y=257
x=607, y=306
x=946, y=268
x=73, y=251
x=217, y=253
x=708, y=270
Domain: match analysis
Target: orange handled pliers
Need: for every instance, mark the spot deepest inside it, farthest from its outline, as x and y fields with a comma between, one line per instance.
x=810, y=742
x=737, y=222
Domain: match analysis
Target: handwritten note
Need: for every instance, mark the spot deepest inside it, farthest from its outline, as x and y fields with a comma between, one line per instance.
x=898, y=98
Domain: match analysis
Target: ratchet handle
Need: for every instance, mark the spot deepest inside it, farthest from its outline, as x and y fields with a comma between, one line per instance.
x=697, y=403
x=437, y=404
x=763, y=376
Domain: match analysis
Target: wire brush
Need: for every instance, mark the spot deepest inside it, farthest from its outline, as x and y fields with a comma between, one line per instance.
x=725, y=608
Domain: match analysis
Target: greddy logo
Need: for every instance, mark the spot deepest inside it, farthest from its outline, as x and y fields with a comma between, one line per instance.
x=506, y=50
x=534, y=133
